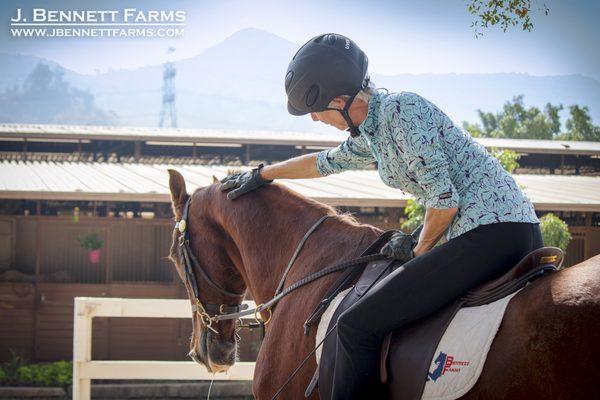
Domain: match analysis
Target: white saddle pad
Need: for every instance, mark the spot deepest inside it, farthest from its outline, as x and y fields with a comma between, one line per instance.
x=460, y=355
x=325, y=318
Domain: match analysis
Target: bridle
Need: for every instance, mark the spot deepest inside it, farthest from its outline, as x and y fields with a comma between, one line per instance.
x=207, y=312
x=210, y=313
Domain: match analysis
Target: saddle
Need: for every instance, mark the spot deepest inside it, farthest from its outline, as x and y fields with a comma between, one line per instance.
x=406, y=353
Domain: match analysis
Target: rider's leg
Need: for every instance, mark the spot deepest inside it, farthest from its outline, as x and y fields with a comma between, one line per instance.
x=418, y=288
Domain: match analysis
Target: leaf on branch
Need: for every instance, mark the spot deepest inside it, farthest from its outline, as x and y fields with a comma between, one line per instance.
x=503, y=13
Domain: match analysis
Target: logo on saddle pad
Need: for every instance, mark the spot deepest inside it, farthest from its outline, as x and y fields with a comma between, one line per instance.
x=445, y=363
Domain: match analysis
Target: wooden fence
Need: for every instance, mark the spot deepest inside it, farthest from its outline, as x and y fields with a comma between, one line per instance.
x=85, y=368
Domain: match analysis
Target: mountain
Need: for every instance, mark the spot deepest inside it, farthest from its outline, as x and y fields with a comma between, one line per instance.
x=14, y=68
x=235, y=84
x=238, y=84
x=45, y=96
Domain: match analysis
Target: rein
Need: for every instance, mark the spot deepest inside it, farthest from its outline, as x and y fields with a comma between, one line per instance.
x=210, y=313
x=304, y=281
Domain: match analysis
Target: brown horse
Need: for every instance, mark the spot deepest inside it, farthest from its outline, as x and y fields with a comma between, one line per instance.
x=548, y=345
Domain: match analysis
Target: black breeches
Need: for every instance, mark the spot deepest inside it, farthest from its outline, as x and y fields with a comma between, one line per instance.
x=418, y=288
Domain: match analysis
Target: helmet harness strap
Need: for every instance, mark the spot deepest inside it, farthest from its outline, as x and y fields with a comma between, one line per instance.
x=354, y=132
x=353, y=129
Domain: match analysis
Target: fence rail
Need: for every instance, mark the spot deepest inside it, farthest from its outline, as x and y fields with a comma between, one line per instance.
x=85, y=369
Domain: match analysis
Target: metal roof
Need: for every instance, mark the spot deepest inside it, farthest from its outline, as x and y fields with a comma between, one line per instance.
x=543, y=146
x=215, y=136
x=43, y=180
x=167, y=135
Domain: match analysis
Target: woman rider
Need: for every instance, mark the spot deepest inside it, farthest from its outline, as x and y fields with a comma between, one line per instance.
x=489, y=223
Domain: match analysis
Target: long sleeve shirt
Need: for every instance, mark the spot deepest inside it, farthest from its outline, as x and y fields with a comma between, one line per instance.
x=418, y=149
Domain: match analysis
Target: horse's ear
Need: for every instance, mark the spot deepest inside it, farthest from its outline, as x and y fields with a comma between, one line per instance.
x=178, y=192
x=215, y=179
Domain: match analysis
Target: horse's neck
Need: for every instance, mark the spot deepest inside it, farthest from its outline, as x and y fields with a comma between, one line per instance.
x=267, y=249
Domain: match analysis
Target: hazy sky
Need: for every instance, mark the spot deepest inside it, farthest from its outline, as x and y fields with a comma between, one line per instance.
x=427, y=36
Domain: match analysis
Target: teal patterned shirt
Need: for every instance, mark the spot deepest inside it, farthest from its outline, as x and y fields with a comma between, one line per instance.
x=419, y=150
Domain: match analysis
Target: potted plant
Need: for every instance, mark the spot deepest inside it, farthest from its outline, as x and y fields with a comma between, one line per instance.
x=93, y=243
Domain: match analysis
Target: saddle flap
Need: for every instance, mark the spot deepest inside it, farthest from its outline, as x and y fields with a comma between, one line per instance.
x=374, y=272
x=344, y=281
x=371, y=274
x=410, y=350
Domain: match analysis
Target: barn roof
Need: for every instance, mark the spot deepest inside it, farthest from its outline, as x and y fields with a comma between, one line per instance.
x=47, y=180
x=215, y=136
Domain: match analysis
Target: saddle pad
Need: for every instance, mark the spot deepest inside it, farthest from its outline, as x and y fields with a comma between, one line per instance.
x=461, y=354
x=326, y=317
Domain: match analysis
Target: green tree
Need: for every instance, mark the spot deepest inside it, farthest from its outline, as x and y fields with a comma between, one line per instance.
x=516, y=121
x=474, y=129
x=552, y=113
x=555, y=231
x=489, y=121
x=519, y=122
x=415, y=214
x=505, y=13
x=579, y=125
x=509, y=159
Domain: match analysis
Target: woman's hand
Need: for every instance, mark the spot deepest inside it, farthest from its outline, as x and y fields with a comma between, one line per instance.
x=418, y=250
x=294, y=168
x=436, y=223
x=401, y=245
x=243, y=182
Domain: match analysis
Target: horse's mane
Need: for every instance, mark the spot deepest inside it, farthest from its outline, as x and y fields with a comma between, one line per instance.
x=275, y=216
x=277, y=192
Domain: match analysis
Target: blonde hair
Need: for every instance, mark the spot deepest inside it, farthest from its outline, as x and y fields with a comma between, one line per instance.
x=364, y=94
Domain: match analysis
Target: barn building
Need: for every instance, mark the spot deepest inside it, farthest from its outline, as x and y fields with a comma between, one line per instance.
x=61, y=183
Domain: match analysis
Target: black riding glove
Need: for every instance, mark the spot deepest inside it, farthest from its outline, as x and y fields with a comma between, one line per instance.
x=401, y=245
x=243, y=182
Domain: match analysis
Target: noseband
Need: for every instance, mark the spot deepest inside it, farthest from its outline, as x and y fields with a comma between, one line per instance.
x=207, y=312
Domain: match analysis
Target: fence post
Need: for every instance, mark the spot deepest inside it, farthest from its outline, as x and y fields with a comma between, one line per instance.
x=82, y=349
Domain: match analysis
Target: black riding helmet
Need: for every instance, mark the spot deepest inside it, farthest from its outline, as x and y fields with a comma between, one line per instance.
x=326, y=66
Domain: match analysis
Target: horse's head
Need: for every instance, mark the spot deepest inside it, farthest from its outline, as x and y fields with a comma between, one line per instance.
x=201, y=253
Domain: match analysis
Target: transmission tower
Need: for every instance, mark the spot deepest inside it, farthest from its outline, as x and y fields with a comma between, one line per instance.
x=168, y=93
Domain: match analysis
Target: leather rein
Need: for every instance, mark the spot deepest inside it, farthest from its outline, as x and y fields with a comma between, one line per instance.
x=210, y=313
